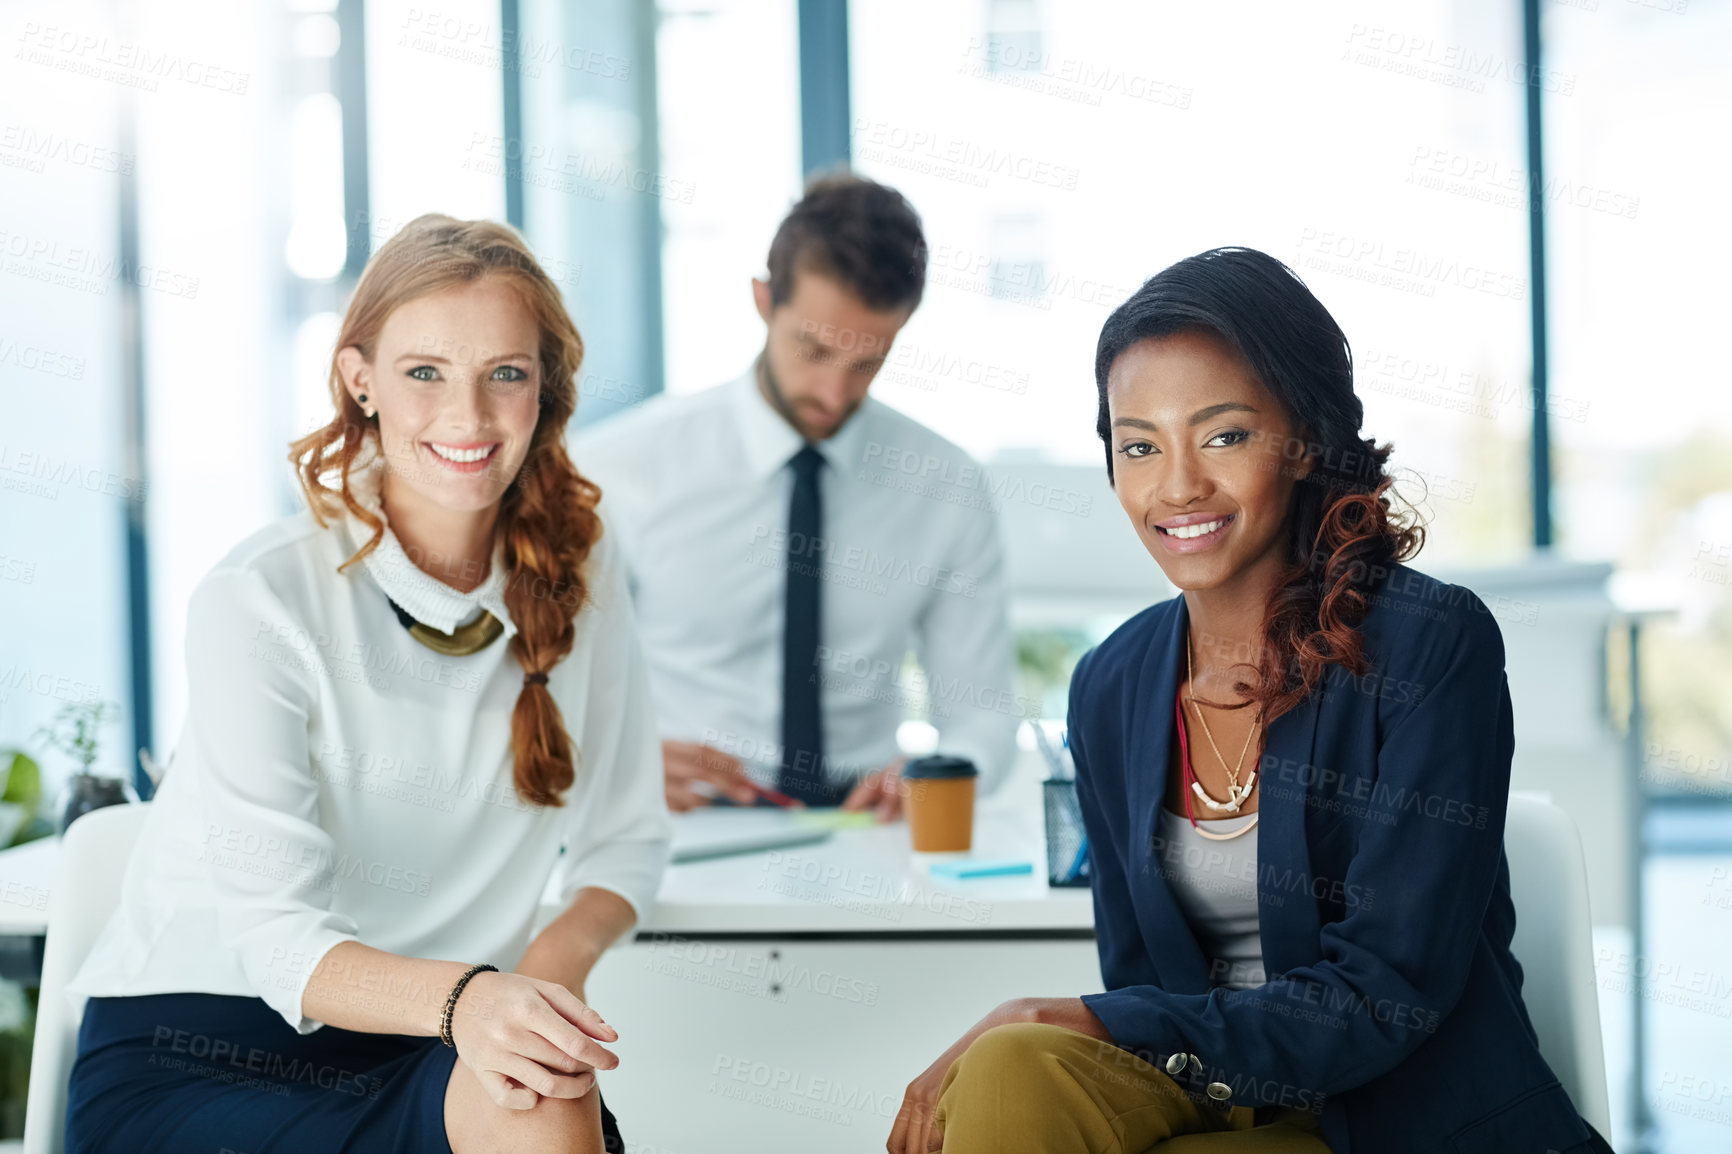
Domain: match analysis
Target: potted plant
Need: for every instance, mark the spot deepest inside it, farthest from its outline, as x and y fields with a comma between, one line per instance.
x=74, y=732
x=20, y=819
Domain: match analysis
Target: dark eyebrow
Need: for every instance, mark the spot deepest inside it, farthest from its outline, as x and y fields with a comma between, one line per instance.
x=1197, y=417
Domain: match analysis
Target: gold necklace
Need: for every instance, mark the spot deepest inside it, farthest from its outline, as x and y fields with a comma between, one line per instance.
x=1237, y=794
x=1197, y=785
x=462, y=641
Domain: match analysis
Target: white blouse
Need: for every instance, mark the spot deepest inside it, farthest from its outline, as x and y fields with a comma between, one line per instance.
x=337, y=780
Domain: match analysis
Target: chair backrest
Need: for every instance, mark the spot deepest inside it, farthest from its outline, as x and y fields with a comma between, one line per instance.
x=1554, y=944
x=92, y=863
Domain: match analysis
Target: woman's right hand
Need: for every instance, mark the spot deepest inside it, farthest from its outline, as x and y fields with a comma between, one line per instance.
x=526, y=1039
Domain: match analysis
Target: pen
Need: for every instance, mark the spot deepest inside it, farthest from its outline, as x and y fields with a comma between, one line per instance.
x=1081, y=854
x=1053, y=761
x=770, y=795
x=764, y=794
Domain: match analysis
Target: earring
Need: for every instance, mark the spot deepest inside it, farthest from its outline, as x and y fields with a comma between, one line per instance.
x=366, y=409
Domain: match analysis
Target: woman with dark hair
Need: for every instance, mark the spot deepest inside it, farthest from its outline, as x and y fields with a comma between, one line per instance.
x=1293, y=776
x=413, y=709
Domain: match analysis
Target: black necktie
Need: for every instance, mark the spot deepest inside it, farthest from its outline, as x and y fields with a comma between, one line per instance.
x=802, y=774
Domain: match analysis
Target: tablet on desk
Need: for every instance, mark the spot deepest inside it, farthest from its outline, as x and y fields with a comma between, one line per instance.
x=721, y=832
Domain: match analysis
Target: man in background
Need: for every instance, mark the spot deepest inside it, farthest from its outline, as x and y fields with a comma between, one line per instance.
x=789, y=539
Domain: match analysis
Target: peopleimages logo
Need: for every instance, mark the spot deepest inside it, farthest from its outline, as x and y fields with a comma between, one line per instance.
x=1358, y=796
x=939, y=473
x=876, y=678
x=274, y=1068
x=923, y=366
x=1399, y=266
x=966, y=160
x=249, y=852
x=711, y=963
x=779, y=543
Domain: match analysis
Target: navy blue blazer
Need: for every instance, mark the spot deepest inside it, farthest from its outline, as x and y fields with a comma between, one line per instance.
x=1393, y=1004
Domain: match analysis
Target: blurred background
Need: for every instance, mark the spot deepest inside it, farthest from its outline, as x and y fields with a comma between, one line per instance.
x=1516, y=211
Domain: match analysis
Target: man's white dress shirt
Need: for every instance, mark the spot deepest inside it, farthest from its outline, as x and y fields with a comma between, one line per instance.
x=337, y=780
x=698, y=488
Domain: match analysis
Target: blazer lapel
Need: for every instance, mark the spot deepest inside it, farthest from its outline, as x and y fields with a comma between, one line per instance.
x=1287, y=913
x=1177, y=956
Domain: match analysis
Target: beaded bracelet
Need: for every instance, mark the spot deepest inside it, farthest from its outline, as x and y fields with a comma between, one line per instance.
x=451, y=1001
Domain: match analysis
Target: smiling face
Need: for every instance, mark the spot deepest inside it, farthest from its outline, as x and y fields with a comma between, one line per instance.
x=1200, y=461
x=823, y=349
x=456, y=381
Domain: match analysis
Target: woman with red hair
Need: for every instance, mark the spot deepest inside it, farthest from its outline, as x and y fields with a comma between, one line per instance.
x=1293, y=777
x=412, y=711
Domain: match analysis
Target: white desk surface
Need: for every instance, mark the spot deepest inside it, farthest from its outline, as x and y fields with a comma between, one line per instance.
x=864, y=881
x=860, y=881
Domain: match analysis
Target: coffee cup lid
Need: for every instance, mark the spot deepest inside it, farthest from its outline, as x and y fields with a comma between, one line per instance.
x=939, y=765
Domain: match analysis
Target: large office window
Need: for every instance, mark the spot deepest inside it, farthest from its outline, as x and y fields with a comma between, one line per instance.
x=65, y=482
x=216, y=199
x=593, y=188
x=1639, y=241
x=730, y=114
x=1061, y=154
x=434, y=101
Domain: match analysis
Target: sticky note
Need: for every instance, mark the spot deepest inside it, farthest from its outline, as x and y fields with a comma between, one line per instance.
x=980, y=869
x=835, y=819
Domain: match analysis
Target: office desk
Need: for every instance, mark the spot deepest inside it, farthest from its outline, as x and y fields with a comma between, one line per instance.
x=783, y=1000
x=861, y=881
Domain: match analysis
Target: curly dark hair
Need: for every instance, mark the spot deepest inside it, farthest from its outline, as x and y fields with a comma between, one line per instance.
x=1343, y=534
x=864, y=234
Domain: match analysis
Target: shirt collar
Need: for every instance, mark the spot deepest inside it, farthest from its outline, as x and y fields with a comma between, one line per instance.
x=770, y=441
x=423, y=597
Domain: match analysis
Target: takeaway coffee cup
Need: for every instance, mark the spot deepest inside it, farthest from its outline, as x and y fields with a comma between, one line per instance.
x=940, y=802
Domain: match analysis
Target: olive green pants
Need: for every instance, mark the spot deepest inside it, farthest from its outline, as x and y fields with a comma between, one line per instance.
x=1036, y=1087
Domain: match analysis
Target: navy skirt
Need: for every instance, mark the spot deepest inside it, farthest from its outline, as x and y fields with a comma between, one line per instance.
x=175, y=1073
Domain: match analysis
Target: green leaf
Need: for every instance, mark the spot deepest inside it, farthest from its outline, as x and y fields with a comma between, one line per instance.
x=24, y=783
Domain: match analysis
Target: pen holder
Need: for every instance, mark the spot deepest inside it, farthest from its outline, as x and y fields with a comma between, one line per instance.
x=1067, y=859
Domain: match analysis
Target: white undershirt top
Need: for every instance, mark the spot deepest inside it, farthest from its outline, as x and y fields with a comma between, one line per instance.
x=337, y=780
x=699, y=485
x=1215, y=885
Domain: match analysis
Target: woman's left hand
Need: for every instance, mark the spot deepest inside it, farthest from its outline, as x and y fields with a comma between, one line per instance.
x=914, y=1131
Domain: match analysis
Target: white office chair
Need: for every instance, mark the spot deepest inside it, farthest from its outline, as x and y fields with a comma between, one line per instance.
x=1554, y=944
x=93, y=857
